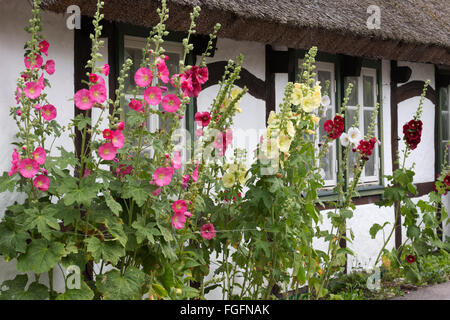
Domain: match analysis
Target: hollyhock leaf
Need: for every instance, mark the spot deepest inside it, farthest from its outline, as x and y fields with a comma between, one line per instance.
x=15, y=287
x=165, y=233
x=129, y=286
x=115, y=207
x=116, y=229
x=109, y=251
x=36, y=291
x=7, y=183
x=12, y=241
x=137, y=192
x=83, y=194
x=145, y=231
x=44, y=221
x=83, y=293
x=41, y=256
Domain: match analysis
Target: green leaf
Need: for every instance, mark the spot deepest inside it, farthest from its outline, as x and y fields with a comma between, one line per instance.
x=83, y=194
x=375, y=228
x=36, y=291
x=113, y=286
x=165, y=233
x=44, y=220
x=7, y=182
x=146, y=231
x=84, y=293
x=109, y=251
x=159, y=290
x=115, y=207
x=41, y=256
x=12, y=241
x=116, y=229
x=135, y=191
x=12, y=288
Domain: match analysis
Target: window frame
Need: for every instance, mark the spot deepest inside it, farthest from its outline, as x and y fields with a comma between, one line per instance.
x=363, y=189
x=440, y=150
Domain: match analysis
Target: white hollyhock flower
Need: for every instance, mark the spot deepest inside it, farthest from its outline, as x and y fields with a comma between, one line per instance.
x=325, y=101
x=354, y=135
x=344, y=139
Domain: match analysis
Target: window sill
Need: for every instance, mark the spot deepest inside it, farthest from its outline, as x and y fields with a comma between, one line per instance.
x=366, y=194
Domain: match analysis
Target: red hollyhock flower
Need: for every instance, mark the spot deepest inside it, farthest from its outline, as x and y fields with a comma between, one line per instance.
x=410, y=259
x=107, y=134
x=203, y=118
x=412, y=133
x=334, y=128
x=366, y=147
x=93, y=78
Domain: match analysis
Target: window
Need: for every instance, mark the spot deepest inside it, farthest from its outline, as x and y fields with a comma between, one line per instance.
x=444, y=107
x=364, y=94
x=133, y=50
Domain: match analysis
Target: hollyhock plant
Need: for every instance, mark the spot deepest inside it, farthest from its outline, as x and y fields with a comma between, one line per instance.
x=185, y=182
x=345, y=141
x=163, y=176
x=334, y=128
x=97, y=93
x=178, y=220
x=143, y=77
x=176, y=161
x=41, y=182
x=121, y=125
x=38, y=62
x=107, y=134
x=170, y=103
x=124, y=170
x=93, y=78
x=195, y=174
x=410, y=258
x=48, y=112
x=83, y=99
x=179, y=206
x=43, y=47
x=157, y=192
x=18, y=94
x=203, y=118
x=40, y=155
x=107, y=151
x=187, y=214
x=118, y=139
x=207, y=231
x=163, y=72
x=28, y=168
x=41, y=82
x=105, y=69
x=152, y=95
x=50, y=67
x=19, y=112
x=354, y=135
x=32, y=90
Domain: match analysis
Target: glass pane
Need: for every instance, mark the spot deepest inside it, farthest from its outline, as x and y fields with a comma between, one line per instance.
x=353, y=101
x=443, y=98
x=445, y=124
x=326, y=165
x=136, y=56
x=369, y=168
x=352, y=156
x=328, y=116
x=368, y=86
x=323, y=77
x=367, y=118
x=349, y=121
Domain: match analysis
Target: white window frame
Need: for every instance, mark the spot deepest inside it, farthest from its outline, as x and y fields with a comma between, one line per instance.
x=443, y=142
x=368, y=72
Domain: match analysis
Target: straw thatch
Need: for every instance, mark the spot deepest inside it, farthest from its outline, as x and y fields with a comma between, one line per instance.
x=411, y=30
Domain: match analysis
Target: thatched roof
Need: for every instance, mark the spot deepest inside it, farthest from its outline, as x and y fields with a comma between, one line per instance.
x=411, y=30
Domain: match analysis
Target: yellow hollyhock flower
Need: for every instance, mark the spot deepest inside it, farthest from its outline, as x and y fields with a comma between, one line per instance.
x=235, y=92
x=290, y=129
x=284, y=142
x=242, y=178
x=228, y=179
x=315, y=118
x=297, y=95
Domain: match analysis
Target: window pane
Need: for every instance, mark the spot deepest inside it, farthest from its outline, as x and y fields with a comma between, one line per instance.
x=445, y=124
x=443, y=98
x=353, y=99
x=328, y=116
x=326, y=165
x=352, y=156
x=323, y=77
x=369, y=168
x=368, y=85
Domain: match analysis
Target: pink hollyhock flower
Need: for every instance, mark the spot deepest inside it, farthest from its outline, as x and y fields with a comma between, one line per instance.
x=124, y=170
x=195, y=174
x=40, y=155
x=198, y=133
x=187, y=214
x=202, y=75
x=44, y=171
x=105, y=69
x=14, y=162
x=37, y=106
x=97, y=93
x=172, y=79
x=41, y=82
x=179, y=206
x=41, y=182
x=28, y=168
x=43, y=47
x=121, y=125
x=164, y=89
x=87, y=173
x=207, y=231
x=48, y=112
x=37, y=63
x=19, y=112
x=32, y=90
x=136, y=105
x=176, y=161
x=107, y=134
x=143, y=77
x=93, y=78
x=163, y=72
x=152, y=95
x=170, y=103
x=50, y=67
x=163, y=176
x=178, y=220
x=157, y=192
x=223, y=140
x=83, y=100
x=185, y=182
x=118, y=139
x=107, y=151
x=18, y=94
x=203, y=118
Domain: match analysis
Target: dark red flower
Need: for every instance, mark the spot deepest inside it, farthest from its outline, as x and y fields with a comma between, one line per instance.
x=410, y=259
x=334, y=128
x=107, y=134
x=93, y=78
x=412, y=133
x=447, y=180
x=366, y=148
x=203, y=118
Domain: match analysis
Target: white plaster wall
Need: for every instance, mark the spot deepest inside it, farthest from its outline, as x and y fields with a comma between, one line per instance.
x=14, y=16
